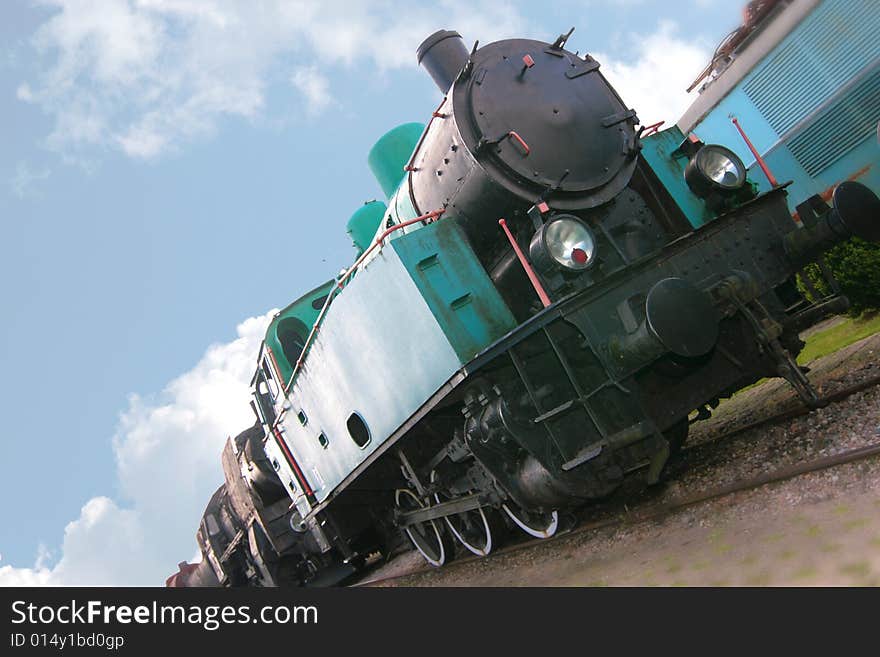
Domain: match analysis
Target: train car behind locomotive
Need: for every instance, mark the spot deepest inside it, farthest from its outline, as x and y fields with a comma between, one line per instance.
x=546, y=296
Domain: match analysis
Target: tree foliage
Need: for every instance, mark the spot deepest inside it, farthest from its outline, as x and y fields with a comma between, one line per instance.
x=856, y=266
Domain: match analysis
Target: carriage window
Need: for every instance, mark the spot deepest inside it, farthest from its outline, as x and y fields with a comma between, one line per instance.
x=266, y=392
x=211, y=524
x=270, y=382
x=358, y=430
x=292, y=335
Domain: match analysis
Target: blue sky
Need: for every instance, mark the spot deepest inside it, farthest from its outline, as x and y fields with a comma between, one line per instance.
x=172, y=170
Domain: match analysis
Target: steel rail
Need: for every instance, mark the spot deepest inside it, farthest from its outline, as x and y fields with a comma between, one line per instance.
x=790, y=414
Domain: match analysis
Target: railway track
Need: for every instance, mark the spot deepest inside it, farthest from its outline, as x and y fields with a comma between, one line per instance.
x=656, y=511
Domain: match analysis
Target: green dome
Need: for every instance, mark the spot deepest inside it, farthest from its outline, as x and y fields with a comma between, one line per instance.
x=391, y=153
x=364, y=223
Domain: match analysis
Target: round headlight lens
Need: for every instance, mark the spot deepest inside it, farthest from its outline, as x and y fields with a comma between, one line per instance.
x=570, y=243
x=721, y=166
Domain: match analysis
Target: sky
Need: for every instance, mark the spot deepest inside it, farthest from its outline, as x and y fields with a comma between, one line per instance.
x=172, y=171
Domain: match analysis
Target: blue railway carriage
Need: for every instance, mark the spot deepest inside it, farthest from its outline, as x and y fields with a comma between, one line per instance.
x=803, y=79
x=544, y=297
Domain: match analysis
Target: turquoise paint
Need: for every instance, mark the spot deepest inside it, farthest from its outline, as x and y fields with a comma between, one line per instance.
x=304, y=311
x=657, y=151
x=785, y=169
x=379, y=352
x=403, y=207
x=391, y=153
x=364, y=223
x=717, y=128
x=455, y=286
x=398, y=210
x=862, y=163
x=834, y=46
x=826, y=50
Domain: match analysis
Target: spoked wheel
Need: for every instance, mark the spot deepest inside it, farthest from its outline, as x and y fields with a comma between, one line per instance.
x=475, y=529
x=426, y=537
x=539, y=525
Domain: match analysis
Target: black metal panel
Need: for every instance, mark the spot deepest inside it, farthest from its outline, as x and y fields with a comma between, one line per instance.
x=446, y=174
x=506, y=137
x=749, y=239
x=536, y=127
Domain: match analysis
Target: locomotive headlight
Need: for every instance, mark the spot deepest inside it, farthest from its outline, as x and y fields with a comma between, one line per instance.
x=564, y=242
x=715, y=169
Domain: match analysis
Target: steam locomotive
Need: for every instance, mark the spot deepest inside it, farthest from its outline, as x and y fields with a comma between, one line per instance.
x=547, y=295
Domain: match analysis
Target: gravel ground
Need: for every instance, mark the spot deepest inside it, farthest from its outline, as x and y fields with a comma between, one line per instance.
x=848, y=366
x=819, y=528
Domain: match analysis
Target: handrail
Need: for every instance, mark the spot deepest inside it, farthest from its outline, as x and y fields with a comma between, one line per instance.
x=533, y=278
x=434, y=214
x=515, y=135
x=436, y=114
x=649, y=130
x=760, y=160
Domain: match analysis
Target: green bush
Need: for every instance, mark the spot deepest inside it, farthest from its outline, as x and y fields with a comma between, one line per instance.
x=856, y=266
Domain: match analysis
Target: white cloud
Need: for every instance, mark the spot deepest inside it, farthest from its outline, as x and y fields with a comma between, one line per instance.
x=314, y=87
x=168, y=464
x=44, y=557
x=142, y=141
x=654, y=79
x=25, y=181
x=146, y=76
x=23, y=92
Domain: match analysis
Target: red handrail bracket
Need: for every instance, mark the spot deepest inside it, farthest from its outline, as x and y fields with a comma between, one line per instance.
x=533, y=277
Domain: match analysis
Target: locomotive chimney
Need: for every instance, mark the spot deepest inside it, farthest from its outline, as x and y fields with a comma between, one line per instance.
x=443, y=54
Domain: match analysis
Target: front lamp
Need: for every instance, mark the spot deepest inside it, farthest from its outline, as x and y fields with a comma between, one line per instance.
x=563, y=243
x=715, y=169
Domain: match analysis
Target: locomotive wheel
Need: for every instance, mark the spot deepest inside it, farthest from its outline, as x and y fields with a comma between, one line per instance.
x=473, y=529
x=432, y=543
x=539, y=525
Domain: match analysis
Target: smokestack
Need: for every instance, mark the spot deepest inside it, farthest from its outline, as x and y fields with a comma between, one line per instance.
x=443, y=54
